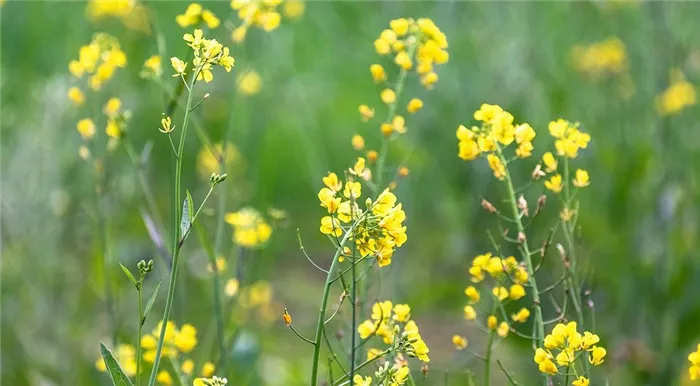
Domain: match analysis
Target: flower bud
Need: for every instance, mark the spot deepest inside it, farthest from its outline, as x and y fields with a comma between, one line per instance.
x=488, y=206
x=287, y=318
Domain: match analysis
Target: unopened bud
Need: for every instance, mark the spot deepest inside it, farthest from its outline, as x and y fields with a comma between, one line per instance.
x=216, y=179
x=538, y=173
x=521, y=237
x=488, y=206
x=206, y=95
x=424, y=370
x=403, y=171
x=287, y=318
x=372, y=156
x=522, y=205
x=540, y=204
x=562, y=252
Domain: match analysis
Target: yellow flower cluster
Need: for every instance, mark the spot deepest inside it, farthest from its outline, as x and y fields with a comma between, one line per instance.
x=256, y=14
x=497, y=128
x=132, y=13
x=182, y=340
x=250, y=230
x=678, y=96
x=377, y=230
x=195, y=14
x=397, y=375
x=99, y=60
x=393, y=322
x=607, y=56
x=571, y=345
x=568, y=141
x=694, y=359
x=117, y=120
x=413, y=40
x=187, y=368
x=125, y=355
x=207, y=53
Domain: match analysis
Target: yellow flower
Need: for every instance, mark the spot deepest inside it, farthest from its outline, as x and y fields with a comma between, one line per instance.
x=125, y=355
x=403, y=60
x=597, y=355
x=499, y=170
x=293, y=9
x=178, y=65
x=220, y=265
x=332, y=182
x=112, y=107
x=249, y=83
x=358, y=143
x=459, y=342
x=589, y=340
x=353, y=189
x=491, y=322
x=399, y=377
x=472, y=293
x=581, y=179
x=231, y=287
x=565, y=357
x=516, y=291
x=521, y=316
x=554, y=183
x=678, y=96
x=372, y=353
x=86, y=128
x=208, y=369
x=250, y=229
x=76, y=96
x=378, y=73
x=366, y=113
x=414, y=105
x=388, y=96
x=210, y=19
x=469, y=313
x=271, y=20
x=366, y=329
x=429, y=79
x=402, y=312
x=500, y=293
x=186, y=338
x=580, y=381
x=208, y=159
x=187, y=366
x=330, y=226
x=503, y=329
x=598, y=58
x=164, y=378
x=399, y=26
x=382, y=310
x=357, y=380
x=550, y=163
x=382, y=46
x=112, y=130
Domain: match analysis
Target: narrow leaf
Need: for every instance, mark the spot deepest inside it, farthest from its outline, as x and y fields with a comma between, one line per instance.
x=185, y=221
x=151, y=300
x=115, y=371
x=129, y=275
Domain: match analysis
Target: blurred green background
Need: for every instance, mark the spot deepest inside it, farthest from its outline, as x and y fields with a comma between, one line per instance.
x=639, y=218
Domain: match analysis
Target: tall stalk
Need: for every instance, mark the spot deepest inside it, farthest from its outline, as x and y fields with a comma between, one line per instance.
x=138, y=340
x=324, y=304
x=177, y=245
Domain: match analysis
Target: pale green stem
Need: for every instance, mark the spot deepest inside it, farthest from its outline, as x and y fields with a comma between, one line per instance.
x=176, y=240
x=572, y=282
x=324, y=304
x=487, y=362
x=138, y=338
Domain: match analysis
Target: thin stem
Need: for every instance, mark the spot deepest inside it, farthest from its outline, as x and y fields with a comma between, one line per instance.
x=324, y=304
x=138, y=338
x=177, y=246
x=526, y=253
x=353, y=304
x=510, y=377
x=487, y=361
x=305, y=339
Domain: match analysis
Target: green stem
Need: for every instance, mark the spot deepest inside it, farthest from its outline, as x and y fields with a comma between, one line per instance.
x=489, y=349
x=572, y=283
x=324, y=304
x=539, y=325
x=138, y=338
x=176, y=240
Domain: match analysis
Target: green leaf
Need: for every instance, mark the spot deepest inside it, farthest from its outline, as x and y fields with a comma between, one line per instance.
x=115, y=371
x=151, y=300
x=129, y=275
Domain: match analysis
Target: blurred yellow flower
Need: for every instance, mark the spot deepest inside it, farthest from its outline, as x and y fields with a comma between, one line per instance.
x=472, y=293
x=521, y=316
x=358, y=380
x=208, y=369
x=388, y=96
x=208, y=162
x=250, y=229
x=492, y=322
x=231, y=287
x=459, y=342
x=164, y=378
x=195, y=14
x=469, y=313
x=550, y=162
x=293, y=9
x=366, y=113
x=679, y=95
x=414, y=105
x=76, y=96
x=581, y=381
x=86, y=128
x=220, y=265
x=499, y=170
x=178, y=65
x=152, y=67
x=249, y=83
x=694, y=369
x=187, y=366
x=358, y=143
x=607, y=56
x=126, y=356
x=378, y=73
x=111, y=108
